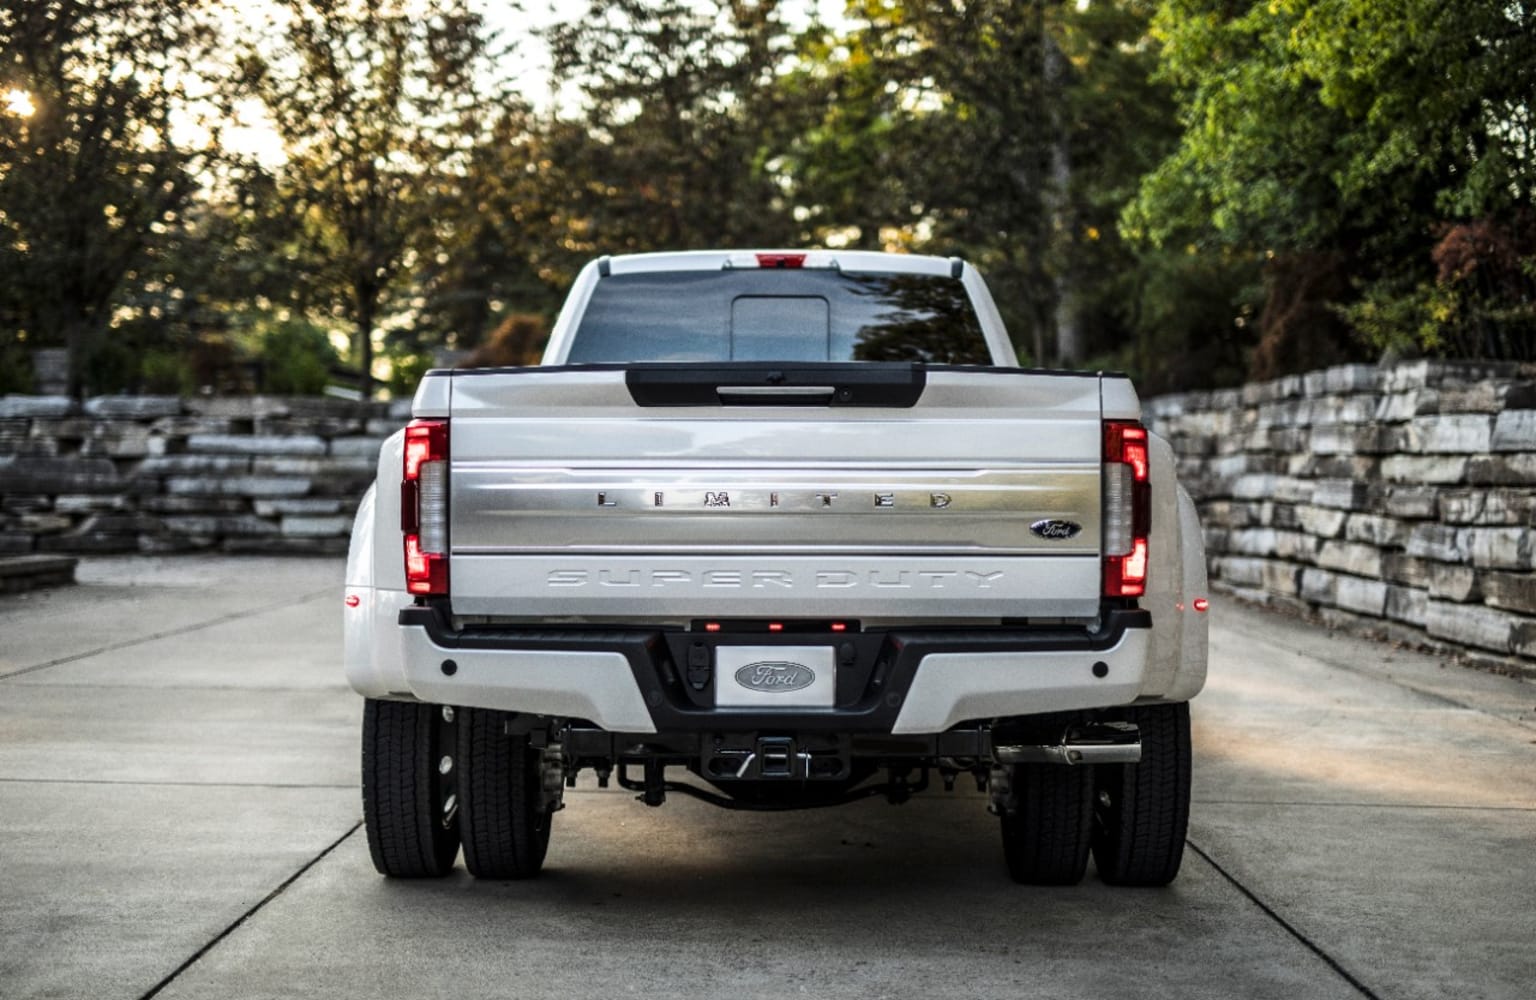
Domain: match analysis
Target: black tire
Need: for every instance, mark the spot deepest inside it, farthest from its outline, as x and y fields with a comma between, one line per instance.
x=1045, y=839
x=502, y=814
x=408, y=796
x=1141, y=811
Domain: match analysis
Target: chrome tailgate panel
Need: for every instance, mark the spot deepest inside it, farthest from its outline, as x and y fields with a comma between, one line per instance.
x=569, y=500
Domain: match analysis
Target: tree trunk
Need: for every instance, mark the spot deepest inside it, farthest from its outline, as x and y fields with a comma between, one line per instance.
x=367, y=308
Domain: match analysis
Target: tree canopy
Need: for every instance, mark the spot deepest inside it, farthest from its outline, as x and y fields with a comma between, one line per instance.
x=1197, y=191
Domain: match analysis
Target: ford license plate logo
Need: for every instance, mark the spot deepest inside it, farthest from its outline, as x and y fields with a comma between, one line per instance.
x=1053, y=527
x=775, y=676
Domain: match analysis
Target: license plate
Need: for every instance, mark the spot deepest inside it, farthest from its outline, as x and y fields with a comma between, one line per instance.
x=775, y=677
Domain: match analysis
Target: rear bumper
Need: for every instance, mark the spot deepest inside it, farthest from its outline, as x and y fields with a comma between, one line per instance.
x=898, y=682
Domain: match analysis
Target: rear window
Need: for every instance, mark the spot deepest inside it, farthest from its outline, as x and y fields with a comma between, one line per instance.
x=779, y=315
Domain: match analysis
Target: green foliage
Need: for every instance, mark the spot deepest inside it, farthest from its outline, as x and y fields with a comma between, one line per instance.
x=379, y=109
x=294, y=358
x=1349, y=128
x=94, y=172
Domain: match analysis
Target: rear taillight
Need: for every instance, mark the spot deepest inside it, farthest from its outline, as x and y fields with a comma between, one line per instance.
x=1127, y=508
x=424, y=506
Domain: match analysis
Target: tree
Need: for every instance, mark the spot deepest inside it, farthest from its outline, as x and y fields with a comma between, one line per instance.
x=378, y=108
x=100, y=153
x=681, y=117
x=1341, y=138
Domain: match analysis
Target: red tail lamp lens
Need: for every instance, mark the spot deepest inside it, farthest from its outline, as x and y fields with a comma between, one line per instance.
x=1127, y=508
x=424, y=506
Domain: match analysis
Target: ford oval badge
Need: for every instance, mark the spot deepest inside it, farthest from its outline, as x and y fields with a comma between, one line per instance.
x=774, y=676
x=1053, y=528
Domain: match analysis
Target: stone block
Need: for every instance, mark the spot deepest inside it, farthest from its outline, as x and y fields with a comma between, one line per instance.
x=237, y=407
x=1446, y=469
x=1290, y=489
x=1499, y=548
x=1318, y=586
x=1462, y=433
x=302, y=505
x=1510, y=591
x=44, y=523
x=284, y=545
x=1407, y=604
x=316, y=527
x=1522, y=641
x=121, y=440
x=25, y=503
x=123, y=524
x=133, y=407
x=1239, y=570
x=1411, y=571
x=1488, y=506
x=331, y=466
x=195, y=505
x=1486, y=628
x=323, y=425
x=31, y=474
x=237, y=444
x=1382, y=532
x=1409, y=375
x=15, y=542
x=1404, y=501
x=1457, y=583
x=1315, y=383
x=14, y=432
x=169, y=544
x=1350, y=557
x=1502, y=470
x=36, y=406
x=1514, y=430
x=1366, y=597
x=1252, y=542
x=180, y=427
x=1485, y=397
x=400, y=410
x=167, y=465
x=1254, y=487
x=357, y=447
x=245, y=486
x=90, y=542
x=1437, y=542
x=1398, y=407
x=1342, y=494
x=383, y=428
x=88, y=503
x=1281, y=578
x=216, y=525
x=1352, y=378
x=1321, y=521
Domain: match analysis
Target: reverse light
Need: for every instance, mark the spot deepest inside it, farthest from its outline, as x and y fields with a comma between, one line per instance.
x=424, y=506
x=1127, y=508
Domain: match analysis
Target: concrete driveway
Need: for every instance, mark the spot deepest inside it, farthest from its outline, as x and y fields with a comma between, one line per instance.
x=179, y=817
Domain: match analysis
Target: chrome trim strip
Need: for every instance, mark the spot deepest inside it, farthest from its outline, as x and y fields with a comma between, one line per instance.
x=501, y=507
x=674, y=587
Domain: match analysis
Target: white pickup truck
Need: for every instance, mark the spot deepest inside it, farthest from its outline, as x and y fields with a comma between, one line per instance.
x=777, y=530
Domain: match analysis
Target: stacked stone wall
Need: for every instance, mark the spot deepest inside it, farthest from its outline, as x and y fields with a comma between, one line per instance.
x=1400, y=499
x=165, y=474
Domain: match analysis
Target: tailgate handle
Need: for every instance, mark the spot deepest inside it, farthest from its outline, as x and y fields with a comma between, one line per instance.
x=858, y=383
x=776, y=395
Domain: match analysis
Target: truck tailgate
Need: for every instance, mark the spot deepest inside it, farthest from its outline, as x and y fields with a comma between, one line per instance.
x=569, y=500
